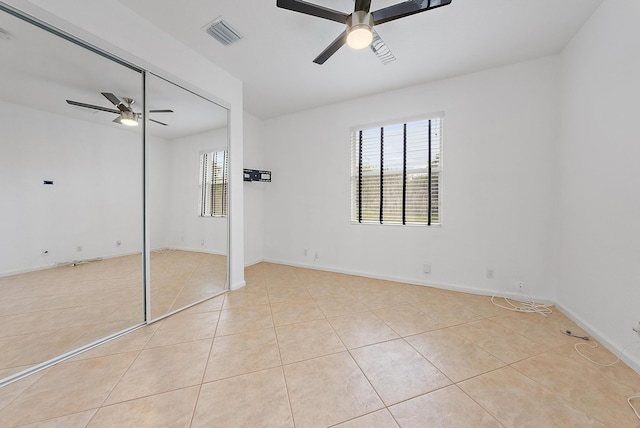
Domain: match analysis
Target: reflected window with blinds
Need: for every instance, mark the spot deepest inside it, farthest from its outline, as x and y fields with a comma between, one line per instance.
x=214, y=184
x=395, y=173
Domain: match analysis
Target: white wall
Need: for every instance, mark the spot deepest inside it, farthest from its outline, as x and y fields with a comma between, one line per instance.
x=599, y=204
x=110, y=25
x=96, y=198
x=254, y=214
x=500, y=136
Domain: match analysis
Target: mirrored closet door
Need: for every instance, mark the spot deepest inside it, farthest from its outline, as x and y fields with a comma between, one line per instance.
x=187, y=196
x=71, y=253
x=114, y=196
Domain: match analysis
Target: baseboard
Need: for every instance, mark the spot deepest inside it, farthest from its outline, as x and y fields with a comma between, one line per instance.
x=193, y=250
x=27, y=270
x=252, y=262
x=444, y=286
x=594, y=332
x=60, y=264
x=237, y=285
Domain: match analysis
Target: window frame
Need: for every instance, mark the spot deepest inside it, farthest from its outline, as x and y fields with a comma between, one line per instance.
x=223, y=211
x=354, y=175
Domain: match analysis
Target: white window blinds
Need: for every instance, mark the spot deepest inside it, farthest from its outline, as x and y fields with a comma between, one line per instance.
x=214, y=187
x=395, y=173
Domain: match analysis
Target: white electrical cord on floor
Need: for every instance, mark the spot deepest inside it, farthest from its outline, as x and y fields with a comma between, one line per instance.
x=528, y=305
x=595, y=345
x=633, y=397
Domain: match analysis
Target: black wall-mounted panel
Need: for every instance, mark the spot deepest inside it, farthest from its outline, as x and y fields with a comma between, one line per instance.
x=257, y=175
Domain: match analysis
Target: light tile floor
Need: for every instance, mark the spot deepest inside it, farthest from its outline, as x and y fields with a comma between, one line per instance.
x=306, y=348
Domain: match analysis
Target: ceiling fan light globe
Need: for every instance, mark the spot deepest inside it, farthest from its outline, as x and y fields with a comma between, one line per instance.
x=359, y=37
x=129, y=122
x=128, y=118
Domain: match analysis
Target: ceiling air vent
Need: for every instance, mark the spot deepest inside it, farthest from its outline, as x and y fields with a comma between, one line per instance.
x=220, y=30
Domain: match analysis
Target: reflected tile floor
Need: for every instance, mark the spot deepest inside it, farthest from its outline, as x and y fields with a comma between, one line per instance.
x=304, y=348
x=46, y=313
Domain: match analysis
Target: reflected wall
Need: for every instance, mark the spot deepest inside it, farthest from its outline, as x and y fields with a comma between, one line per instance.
x=72, y=214
x=188, y=260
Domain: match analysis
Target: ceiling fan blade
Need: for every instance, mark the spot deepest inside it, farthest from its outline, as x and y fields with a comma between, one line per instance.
x=331, y=49
x=313, y=10
x=381, y=50
x=115, y=101
x=406, y=8
x=76, y=103
x=160, y=123
x=161, y=111
x=363, y=5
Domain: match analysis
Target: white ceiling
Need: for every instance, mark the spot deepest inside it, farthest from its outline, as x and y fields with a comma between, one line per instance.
x=274, y=60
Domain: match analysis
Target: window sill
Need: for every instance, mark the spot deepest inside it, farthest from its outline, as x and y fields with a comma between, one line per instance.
x=356, y=223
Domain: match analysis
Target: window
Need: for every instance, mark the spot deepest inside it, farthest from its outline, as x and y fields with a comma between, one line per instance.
x=395, y=173
x=214, y=184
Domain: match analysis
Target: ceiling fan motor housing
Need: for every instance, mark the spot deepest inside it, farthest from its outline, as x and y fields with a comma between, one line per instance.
x=359, y=18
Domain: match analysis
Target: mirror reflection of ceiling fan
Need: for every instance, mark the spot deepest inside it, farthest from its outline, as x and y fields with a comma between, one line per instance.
x=126, y=115
x=360, y=32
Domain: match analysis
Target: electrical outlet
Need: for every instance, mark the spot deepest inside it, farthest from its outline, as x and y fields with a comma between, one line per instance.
x=490, y=273
x=426, y=268
x=118, y=243
x=520, y=285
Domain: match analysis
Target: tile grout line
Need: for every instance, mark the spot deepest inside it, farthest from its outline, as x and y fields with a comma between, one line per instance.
x=549, y=390
x=495, y=417
x=114, y=385
x=284, y=376
x=213, y=339
x=359, y=368
x=128, y=368
x=204, y=372
x=283, y=366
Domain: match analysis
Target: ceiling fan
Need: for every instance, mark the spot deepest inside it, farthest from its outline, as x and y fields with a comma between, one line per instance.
x=360, y=32
x=126, y=115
